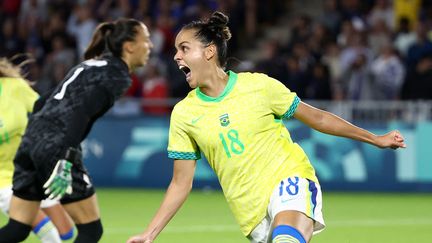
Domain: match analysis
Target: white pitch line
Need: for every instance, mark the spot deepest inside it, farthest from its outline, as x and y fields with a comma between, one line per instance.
x=235, y=228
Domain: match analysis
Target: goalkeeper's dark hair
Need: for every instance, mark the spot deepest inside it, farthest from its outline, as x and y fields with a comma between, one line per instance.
x=213, y=31
x=110, y=36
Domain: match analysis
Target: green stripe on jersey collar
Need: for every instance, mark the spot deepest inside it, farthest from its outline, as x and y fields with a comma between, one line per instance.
x=230, y=85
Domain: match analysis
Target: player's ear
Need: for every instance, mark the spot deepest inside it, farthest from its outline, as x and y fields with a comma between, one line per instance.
x=210, y=51
x=128, y=47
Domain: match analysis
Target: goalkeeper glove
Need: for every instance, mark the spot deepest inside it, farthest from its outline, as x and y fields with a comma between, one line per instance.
x=60, y=181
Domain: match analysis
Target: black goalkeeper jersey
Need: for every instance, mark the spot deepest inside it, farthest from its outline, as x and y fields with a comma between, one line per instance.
x=85, y=94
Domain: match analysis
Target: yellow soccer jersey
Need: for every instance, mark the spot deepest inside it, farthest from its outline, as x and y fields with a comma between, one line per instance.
x=242, y=136
x=16, y=101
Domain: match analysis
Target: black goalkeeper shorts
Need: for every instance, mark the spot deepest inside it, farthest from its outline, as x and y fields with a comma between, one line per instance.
x=34, y=163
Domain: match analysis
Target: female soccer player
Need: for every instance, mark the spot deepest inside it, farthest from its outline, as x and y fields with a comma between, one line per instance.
x=48, y=161
x=16, y=101
x=235, y=121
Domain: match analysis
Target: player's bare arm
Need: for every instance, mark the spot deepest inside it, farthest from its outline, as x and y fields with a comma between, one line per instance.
x=329, y=123
x=177, y=192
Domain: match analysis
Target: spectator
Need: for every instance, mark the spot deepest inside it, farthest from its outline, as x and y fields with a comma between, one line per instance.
x=81, y=25
x=382, y=11
x=319, y=83
x=270, y=62
x=330, y=16
x=58, y=62
x=301, y=29
x=357, y=45
x=155, y=88
x=356, y=82
x=331, y=58
x=422, y=46
x=404, y=37
x=319, y=38
x=379, y=37
x=418, y=85
x=388, y=74
x=296, y=79
x=11, y=43
x=32, y=14
x=157, y=37
x=347, y=30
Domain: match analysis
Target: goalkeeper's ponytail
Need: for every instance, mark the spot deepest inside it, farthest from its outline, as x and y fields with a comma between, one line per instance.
x=110, y=36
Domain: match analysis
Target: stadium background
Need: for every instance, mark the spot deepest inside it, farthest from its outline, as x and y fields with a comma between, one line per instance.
x=368, y=61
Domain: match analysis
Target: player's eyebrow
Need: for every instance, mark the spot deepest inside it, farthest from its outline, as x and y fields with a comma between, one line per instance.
x=181, y=43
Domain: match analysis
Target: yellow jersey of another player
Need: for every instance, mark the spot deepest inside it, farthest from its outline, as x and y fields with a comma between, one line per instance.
x=244, y=140
x=16, y=101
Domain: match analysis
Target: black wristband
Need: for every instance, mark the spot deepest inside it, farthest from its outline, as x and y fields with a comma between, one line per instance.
x=72, y=155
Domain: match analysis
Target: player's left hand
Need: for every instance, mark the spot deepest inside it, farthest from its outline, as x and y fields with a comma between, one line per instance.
x=393, y=139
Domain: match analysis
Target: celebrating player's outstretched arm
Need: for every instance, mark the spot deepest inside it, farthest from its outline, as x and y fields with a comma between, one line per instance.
x=329, y=123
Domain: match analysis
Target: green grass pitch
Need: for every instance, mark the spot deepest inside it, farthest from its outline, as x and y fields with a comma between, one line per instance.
x=205, y=217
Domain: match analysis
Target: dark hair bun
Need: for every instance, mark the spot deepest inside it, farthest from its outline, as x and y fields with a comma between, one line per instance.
x=218, y=19
x=218, y=23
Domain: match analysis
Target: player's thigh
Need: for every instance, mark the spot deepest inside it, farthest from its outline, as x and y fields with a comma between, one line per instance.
x=22, y=210
x=5, y=202
x=83, y=211
x=27, y=183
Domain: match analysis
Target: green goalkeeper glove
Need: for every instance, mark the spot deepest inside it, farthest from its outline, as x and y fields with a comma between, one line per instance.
x=60, y=181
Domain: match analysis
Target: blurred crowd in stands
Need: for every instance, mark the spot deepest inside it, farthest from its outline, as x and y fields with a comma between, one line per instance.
x=356, y=50
x=348, y=50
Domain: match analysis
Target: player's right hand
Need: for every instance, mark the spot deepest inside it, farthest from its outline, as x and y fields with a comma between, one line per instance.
x=60, y=181
x=139, y=239
x=393, y=140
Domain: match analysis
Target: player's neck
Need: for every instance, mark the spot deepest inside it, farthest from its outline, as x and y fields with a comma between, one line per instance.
x=128, y=64
x=215, y=83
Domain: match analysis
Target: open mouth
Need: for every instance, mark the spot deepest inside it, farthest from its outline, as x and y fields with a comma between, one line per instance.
x=185, y=70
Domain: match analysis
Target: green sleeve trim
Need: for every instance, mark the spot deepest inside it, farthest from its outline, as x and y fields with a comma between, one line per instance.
x=292, y=108
x=184, y=155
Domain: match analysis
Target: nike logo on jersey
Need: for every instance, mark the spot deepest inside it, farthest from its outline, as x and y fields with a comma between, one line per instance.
x=195, y=120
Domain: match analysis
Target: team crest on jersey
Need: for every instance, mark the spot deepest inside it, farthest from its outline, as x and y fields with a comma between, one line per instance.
x=224, y=120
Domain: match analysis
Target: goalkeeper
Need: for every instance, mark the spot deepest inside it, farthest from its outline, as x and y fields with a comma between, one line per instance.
x=48, y=162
